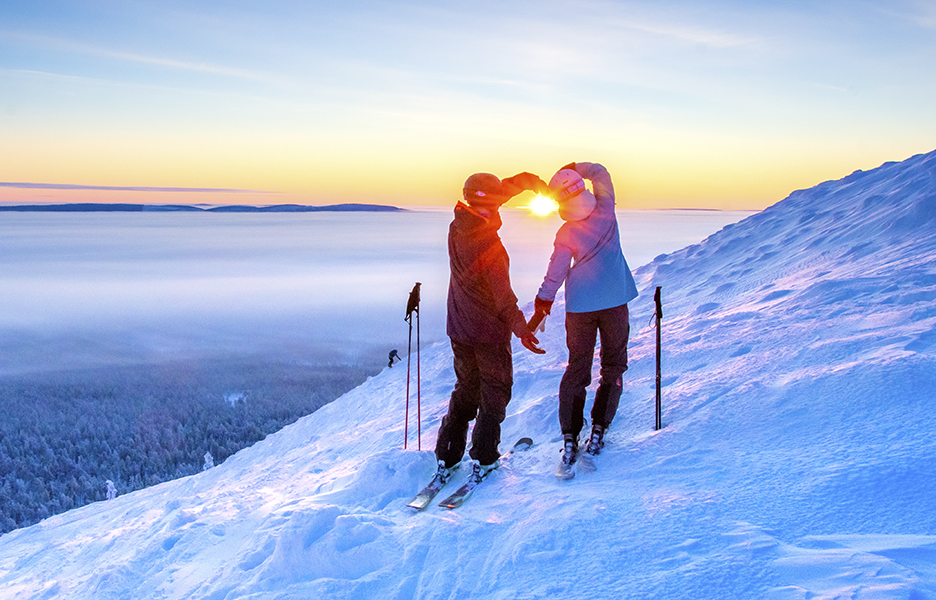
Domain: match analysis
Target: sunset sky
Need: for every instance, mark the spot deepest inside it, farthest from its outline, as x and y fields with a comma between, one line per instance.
x=721, y=104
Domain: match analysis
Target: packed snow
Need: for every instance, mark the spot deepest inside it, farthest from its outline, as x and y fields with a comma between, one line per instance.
x=797, y=458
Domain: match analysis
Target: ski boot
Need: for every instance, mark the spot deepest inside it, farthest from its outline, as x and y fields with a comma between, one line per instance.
x=479, y=471
x=443, y=473
x=566, y=468
x=596, y=441
x=592, y=448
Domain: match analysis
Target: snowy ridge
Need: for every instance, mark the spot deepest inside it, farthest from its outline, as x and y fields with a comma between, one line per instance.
x=796, y=461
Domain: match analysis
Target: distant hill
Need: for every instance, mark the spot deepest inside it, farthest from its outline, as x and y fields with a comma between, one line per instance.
x=100, y=207
x=307, y=208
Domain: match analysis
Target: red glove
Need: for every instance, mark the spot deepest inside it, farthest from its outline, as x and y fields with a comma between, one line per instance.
x=524, y=181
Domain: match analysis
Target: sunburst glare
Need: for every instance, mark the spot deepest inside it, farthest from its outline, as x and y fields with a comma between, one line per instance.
x=542, y=206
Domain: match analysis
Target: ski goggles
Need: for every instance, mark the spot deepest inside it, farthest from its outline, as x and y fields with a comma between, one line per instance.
x=571, y=191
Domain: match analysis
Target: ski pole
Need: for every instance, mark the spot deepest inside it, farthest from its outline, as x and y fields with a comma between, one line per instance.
x=418, y=380
x=412, y=306
x=659, y=353
x=409, y=347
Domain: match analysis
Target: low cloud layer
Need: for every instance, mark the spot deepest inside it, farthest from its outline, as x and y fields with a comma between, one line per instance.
x=85, y=290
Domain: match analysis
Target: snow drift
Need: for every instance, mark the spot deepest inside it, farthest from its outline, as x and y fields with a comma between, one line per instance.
x=796, y=459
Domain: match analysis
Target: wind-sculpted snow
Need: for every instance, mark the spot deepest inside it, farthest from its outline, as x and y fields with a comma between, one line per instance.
x=797, y=458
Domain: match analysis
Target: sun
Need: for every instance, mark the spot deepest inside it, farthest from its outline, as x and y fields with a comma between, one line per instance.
x=542, y=206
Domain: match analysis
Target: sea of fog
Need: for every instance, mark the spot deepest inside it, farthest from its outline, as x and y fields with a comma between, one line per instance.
x=90, y=289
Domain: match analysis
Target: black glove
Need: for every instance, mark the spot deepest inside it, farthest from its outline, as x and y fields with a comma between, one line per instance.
x=543, y=306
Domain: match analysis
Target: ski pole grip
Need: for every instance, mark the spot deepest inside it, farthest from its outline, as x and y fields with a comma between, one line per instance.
x=412, y=304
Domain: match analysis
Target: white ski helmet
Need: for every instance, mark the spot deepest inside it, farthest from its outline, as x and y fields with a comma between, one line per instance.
x=575, y=202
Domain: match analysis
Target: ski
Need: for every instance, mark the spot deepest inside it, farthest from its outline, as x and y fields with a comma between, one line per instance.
x=425, y=496
x=465, y=492
x=462, y=494
x=583, y=462
x=593, y=447
x=586, y=463
x=566, y=470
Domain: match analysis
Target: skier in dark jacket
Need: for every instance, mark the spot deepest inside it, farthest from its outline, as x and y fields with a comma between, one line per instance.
x=482, y=315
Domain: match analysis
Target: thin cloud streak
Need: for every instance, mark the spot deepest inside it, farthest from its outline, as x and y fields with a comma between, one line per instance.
x=199, y=67
x=694, y=35
x=924, y=15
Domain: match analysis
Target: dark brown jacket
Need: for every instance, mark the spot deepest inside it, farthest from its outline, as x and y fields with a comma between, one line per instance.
x=482, y=308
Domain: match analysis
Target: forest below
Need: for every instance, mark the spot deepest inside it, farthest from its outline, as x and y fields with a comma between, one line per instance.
x=64, y=435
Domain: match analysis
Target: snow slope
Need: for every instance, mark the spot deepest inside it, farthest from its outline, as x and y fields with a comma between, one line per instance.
x=796, y=461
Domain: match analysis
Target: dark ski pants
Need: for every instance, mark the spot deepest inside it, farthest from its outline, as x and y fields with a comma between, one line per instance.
x=484, y=378
x=582, y=329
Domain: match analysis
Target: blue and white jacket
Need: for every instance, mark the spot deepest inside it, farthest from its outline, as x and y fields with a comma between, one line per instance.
x=587, y=254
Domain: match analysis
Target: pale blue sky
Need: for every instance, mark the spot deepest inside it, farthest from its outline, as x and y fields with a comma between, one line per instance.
x=727, y=104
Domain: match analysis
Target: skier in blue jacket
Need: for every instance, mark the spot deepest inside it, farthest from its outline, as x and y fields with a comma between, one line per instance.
x=588, y=259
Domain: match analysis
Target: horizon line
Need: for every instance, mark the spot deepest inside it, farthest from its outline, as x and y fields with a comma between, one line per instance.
x=112, y=188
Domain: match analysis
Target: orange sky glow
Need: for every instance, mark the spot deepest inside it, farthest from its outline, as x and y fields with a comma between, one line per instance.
x=713, y=105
